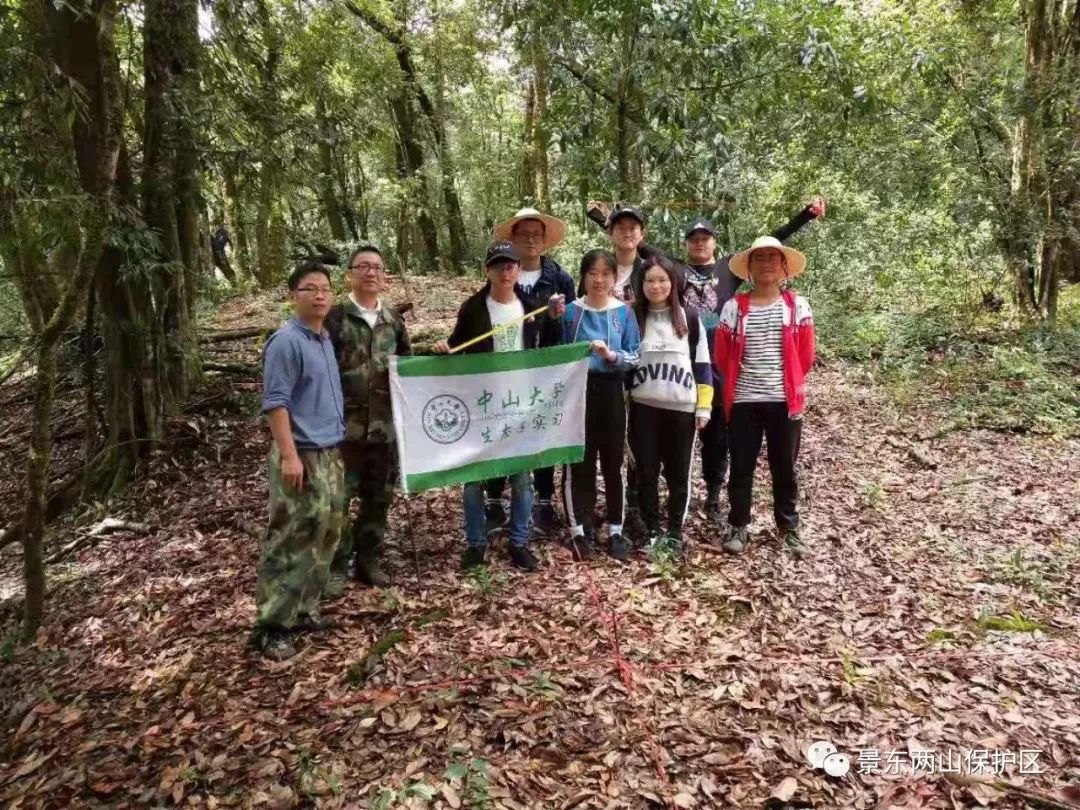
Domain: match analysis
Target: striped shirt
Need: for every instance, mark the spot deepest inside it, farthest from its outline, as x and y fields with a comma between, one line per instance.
x=761, y=378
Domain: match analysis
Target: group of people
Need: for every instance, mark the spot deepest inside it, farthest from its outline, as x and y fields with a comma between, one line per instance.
x=663, y=335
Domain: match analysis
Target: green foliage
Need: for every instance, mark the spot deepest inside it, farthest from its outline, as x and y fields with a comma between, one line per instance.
x=486, y=584
x=1014, y=622
x=474, y=778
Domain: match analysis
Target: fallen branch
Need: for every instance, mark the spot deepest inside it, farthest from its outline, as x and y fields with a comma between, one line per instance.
x=914, y=452
x=106, y=526
x=236, y=334
x=232, y=368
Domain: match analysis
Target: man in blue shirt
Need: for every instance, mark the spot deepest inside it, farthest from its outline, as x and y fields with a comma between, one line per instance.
x=303, y=406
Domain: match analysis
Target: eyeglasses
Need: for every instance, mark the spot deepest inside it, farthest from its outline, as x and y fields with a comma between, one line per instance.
x=365, y=267
x=315, y=290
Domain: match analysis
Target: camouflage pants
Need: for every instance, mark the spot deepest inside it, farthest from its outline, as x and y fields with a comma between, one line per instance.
x=300, y=540
x=369, y=475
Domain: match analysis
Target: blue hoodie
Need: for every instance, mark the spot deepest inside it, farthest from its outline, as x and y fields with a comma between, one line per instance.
x=615, y=324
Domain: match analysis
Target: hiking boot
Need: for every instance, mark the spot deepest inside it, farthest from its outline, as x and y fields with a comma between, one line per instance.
x=582, y=547
x=495, y=514
x=712, y=504
x=618, y=548
x=366, y=570
x=737, y=539
x=311, y=622
x=274, y=644
x=545, y=519
x=795, y=545
x=335, y=587
x=521, y=557
x=335, y=583
x=473, y=557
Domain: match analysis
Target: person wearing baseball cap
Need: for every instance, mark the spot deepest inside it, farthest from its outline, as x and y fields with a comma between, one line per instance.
x=533, y=234
x=501, y=303
x=626, y=225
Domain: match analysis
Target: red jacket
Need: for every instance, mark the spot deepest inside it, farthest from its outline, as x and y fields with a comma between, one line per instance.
x=798, y=348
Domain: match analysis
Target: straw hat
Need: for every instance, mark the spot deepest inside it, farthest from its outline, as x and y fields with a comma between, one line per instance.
x=740, y=262
x=554, y=229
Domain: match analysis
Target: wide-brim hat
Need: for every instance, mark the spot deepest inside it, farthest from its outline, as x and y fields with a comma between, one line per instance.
x=554, y=229
x=740, y=262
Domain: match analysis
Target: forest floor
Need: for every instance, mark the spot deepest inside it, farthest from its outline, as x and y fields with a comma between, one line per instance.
x=934, y=625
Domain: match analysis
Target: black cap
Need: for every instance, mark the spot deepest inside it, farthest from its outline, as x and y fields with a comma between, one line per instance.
x=621, y=210
x=702, y=225
x=500, y=252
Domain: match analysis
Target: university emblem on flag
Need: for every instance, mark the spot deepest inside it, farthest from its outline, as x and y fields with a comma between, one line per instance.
x=445, y=419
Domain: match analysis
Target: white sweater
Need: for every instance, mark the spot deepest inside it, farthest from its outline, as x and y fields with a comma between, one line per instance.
x=665, y=378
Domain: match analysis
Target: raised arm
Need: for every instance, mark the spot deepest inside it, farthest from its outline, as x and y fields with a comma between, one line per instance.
x=815, y=210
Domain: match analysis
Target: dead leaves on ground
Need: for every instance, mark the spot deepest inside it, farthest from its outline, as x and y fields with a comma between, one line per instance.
x=515, y=692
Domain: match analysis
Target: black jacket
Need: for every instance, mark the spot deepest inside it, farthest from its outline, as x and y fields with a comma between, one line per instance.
x=474, y=319
x=553, y=281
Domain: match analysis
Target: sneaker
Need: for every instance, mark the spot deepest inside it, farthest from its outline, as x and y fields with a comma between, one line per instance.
x=545, y=519
x=522, y=557
x=473, y=557
x=737, y=539
x=712, y=504
x=495, y=513
x=274, y=644
x=794, y=544
x=618, y=548
x=634, y=527
x=335, y=587
x=582, y=547
x=367, y=570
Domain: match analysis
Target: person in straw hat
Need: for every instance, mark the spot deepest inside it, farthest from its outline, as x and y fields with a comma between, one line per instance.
x=763, y=348
x=533, y=234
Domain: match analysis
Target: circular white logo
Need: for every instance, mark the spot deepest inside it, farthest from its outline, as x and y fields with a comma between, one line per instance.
x=445, y=418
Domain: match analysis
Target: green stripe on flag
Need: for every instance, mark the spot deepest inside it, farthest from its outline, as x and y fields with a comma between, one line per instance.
x=495, y=468
x=490, y=362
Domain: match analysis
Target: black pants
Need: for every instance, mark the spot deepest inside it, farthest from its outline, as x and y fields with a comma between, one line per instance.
x=665, y=438
x=605, y=435
x=714, y=447
x=750, y=421
x=543, y=483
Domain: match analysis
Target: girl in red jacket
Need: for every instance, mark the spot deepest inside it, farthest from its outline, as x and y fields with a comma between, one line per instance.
x=763, y=348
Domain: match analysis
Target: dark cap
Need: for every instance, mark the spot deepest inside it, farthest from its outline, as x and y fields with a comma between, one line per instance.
x=621, y=210
x=702, y=225
x=501, y=252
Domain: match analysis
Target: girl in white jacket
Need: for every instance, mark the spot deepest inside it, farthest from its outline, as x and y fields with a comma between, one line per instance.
x=670, y=396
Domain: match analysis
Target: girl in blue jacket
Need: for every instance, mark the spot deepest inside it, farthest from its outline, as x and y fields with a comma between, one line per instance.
x=611, y=329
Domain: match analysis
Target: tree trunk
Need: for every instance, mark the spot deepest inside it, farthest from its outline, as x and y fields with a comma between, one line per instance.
x=269, y=221
x=236, y=221
x=171, y=183
x=82, y=48
x=412, y=161
x=331, y=207
x=541, y=133
x=528, y=154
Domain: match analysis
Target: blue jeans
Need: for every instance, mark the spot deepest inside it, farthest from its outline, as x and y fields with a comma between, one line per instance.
x=521, y=497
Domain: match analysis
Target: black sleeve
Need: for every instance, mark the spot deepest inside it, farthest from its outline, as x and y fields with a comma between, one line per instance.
x=597, y=217
x=459, y=336
x=797, y=222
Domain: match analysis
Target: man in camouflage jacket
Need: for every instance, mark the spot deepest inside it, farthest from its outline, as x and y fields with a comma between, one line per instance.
x=365, y=333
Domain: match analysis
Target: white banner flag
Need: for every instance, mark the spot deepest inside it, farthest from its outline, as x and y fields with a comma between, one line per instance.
x=477, y=416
